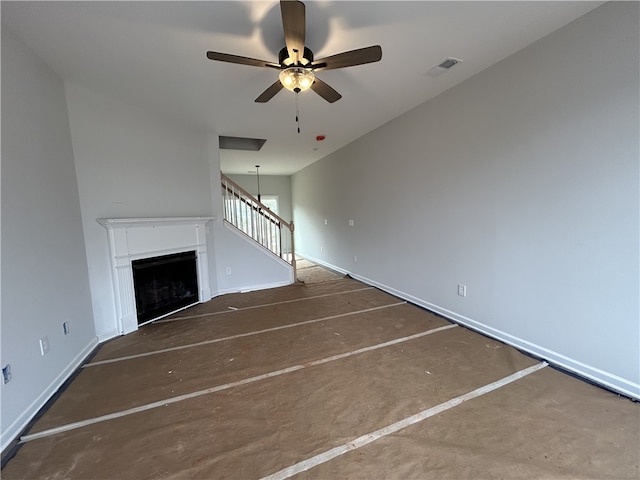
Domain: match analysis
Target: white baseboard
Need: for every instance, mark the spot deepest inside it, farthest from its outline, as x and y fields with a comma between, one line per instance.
x=323, y=263
x=108, y=336
x=594, y=374
x=12, y=431
x=264, y=286
x=250, y=288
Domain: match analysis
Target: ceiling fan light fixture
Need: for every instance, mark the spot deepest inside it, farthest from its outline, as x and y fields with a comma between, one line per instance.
x=296, y=61
x=297, y=79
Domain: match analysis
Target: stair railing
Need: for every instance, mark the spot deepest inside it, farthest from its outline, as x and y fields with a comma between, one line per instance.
x=254, y=219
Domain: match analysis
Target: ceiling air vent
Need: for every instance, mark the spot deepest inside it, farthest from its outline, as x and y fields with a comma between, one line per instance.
x=241, y=143
x=444, y=66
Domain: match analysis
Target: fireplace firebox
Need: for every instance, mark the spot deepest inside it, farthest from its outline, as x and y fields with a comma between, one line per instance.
x=164, y=284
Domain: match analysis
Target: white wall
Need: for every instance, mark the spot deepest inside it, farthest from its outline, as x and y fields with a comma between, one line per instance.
x=244, y=266
x=131, y=163
x=241, y=265
x=44, y=268
x=521, y=183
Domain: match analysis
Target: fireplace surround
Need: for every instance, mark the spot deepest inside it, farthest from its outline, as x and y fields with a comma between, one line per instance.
x=133, y=239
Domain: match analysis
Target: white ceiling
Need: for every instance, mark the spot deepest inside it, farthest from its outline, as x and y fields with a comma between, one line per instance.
x=152, y=54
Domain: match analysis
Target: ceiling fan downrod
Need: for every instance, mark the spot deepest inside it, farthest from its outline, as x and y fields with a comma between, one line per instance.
x=296, y=61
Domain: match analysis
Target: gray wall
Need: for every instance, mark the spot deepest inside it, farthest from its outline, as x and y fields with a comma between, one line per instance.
x=522, y=184
x=71, y=155
x=44, y=267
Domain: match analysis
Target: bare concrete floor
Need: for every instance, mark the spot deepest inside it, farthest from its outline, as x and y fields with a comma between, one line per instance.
x=350, y=380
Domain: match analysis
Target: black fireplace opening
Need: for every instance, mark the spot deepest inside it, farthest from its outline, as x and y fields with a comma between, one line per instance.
x=164, y=284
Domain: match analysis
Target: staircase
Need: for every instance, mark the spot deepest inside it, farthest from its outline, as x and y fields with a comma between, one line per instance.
x=254, y=219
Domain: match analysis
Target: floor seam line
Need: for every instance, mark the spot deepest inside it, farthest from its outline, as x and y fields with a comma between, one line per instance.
x=397, y=426
x=218, y=388
x=240, y=309
x=240, y=335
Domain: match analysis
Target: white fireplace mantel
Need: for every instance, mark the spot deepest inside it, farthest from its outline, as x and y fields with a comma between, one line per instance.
x=136, y=238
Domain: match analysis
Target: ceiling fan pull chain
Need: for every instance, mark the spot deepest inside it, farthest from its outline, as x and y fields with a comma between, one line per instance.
x=298, y=111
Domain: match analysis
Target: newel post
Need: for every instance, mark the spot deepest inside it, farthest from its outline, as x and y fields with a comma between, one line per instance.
x=293, y=254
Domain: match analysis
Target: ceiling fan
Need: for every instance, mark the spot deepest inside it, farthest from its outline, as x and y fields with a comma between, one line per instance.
x=295, y=61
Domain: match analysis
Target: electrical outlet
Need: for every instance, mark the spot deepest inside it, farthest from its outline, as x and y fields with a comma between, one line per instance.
x=355, y=259
x=351, y=223
x=6, y=373
x=228, y=270
x=326, y=221
x=321, y=249
x=462, y=290
x=44, y=345
x=65, y=328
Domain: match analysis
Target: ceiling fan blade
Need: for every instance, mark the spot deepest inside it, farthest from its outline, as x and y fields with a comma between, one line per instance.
x=294, y=25
x=325, y=91
x=226, y=57
x=351, y=58
x=269, y=93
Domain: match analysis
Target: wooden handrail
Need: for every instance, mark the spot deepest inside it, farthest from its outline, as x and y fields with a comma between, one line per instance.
x=251, y=205
x=262, y=205
x=259, y=213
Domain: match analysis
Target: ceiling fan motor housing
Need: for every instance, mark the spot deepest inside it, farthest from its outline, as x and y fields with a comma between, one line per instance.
x=283, y=56
x=296, y=62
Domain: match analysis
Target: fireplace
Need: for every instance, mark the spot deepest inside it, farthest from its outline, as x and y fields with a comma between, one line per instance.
x=164, y=284
x=140, y=241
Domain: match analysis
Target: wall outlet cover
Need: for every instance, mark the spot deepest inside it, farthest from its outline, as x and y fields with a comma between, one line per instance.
x=44, y=345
